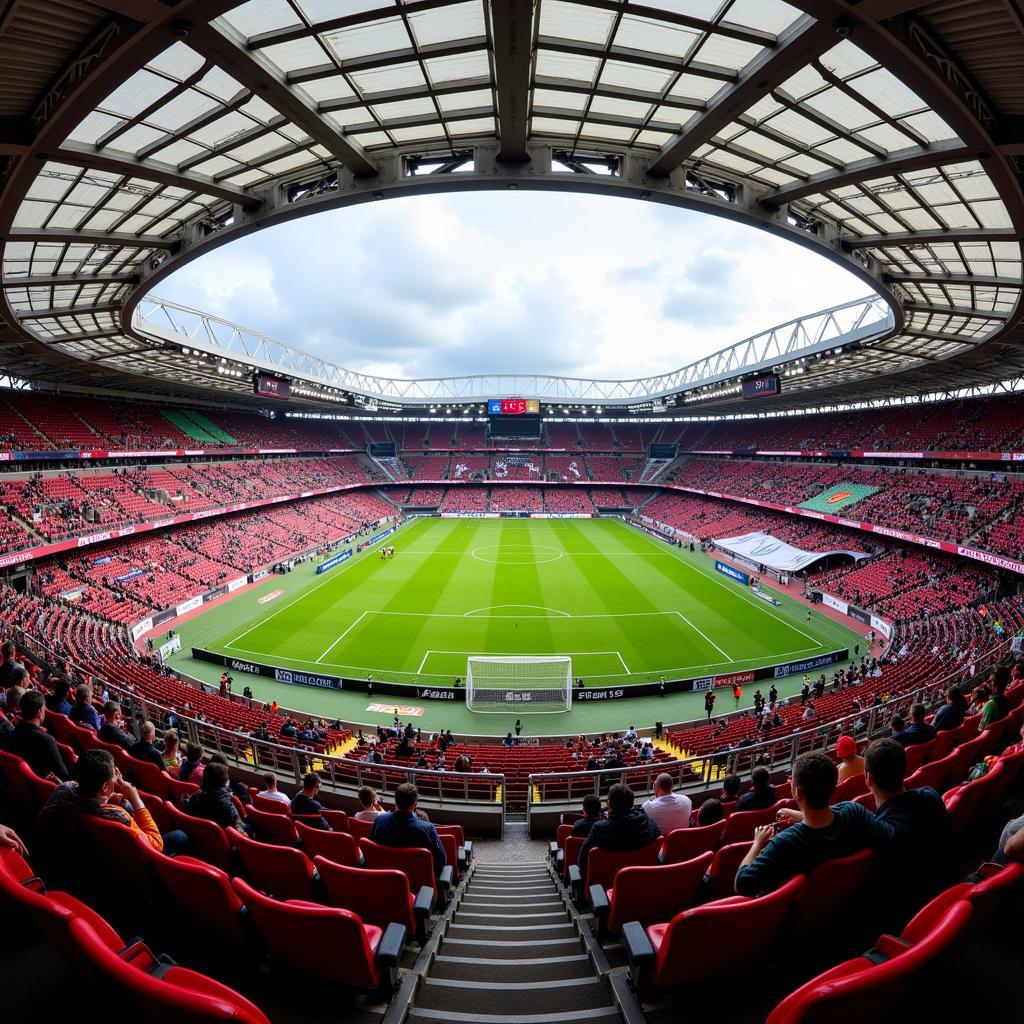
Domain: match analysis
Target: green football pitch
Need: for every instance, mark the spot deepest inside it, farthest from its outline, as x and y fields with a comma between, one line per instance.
x=624, y=606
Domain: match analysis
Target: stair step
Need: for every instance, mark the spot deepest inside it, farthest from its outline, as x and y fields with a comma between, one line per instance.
x=525, y=997
x=538, y=969
x=601, y=1013
x=509, y=948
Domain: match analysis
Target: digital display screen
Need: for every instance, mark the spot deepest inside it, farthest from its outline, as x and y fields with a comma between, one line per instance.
x=513, y=406
x=270, y=387
x=762, y=387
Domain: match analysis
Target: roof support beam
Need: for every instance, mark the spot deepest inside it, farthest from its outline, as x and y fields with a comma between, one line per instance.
x=58, y=280
x=962, y=280
x=901, y=161
x=979, y=314
x=804, y=41
x=153, y=170
x=896, y=239
x=73, y=311
x=226, y=48
x=512, y=26
x=65, y=236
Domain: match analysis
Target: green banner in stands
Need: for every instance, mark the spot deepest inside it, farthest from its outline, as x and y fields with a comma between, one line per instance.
x=840, y=496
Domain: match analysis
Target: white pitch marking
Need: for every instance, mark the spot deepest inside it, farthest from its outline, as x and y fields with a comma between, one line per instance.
x=342, y=637
x=534, y=607
x=706, y=637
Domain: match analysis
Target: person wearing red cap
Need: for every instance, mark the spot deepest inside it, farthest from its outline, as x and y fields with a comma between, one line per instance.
x=851, y=763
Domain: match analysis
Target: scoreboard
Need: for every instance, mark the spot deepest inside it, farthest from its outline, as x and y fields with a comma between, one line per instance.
x=767, y=386
x=270, y=387
x=513, y=407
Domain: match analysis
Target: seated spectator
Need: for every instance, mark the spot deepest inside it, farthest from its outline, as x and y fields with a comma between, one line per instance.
x=668, y=810
x=646, y=752
x=997, y=706
x=99, y=789
x=818, y=833
x=592, y=813
x=1011, y=842
x=919, y=851
x=111, y=730
x=626, y=827
x=305, y=802
x=761, y=795
x=84, y=713
x=730, y=789
x=403, y=827
x=851, y=764
x=919, y=731
x=30, y=742
x=213, y=801
x=952, y=714
x=10, y=668
x=270, y=790
x=145, y=749
x=711, y=812
x=371, y=806
x=192, y=767
x=58, y=699
x=238, y=788
x=172, y=753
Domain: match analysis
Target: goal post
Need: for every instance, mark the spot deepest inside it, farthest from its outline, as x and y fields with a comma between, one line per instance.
x=520, y=684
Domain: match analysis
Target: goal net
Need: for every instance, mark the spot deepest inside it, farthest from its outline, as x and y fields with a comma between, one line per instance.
x=519, y=684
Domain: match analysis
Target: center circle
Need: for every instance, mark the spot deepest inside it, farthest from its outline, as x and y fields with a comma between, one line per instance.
x=516, y=554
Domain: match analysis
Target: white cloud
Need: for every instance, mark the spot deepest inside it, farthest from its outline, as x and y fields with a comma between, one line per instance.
x=524, y=281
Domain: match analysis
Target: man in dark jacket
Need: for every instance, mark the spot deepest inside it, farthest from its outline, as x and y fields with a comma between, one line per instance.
x=146, y=749
x=110, y=730
x=29, y=741
x=58, y=699
x=592, y=814
x=761, y=795
x=305, y=803
x=625, y=828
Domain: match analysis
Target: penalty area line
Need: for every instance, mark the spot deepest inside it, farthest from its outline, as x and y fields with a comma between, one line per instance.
x=697, y=629
x=342, y=637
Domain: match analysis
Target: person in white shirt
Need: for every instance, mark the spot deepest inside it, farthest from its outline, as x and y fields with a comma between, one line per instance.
x=270, y=790
x=669, y=810
x=371, y=805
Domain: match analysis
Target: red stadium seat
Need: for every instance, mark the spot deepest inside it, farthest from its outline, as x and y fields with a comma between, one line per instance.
x=359, y=828
x=150, y=778
x=328, y=944
x=740, y=825
x=281, y=871
x=722, y=873
x=603, y=865
x=647, y=894
x=272, y=828
x=339, y=847
x=207, y=840
x=378, y=897
x=717, y=940
x=262, y=803
x=687, y=843
x=418, y=865
x=867, y=987
x=831, y=887
x=571, y=853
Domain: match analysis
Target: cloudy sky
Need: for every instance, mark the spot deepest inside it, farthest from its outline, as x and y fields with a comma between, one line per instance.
x=511, y=282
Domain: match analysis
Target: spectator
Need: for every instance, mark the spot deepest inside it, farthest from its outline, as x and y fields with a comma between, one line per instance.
x=146, y=749
x=213, y=801
x=100, y=790
x=172, y=752
x=711, y=812
x=919, y=731
x=306, y=804
x=919, y=848
x=270, y=790
x=730, y=789
x=626, y=827
x=371, y=806
x=110, y=730
x=818, y=832
x=11, y=669
x=1011, y=842
x=761, y=795
x=31, y=743
x=83, y=713
x=851, y=764
x=592, y=813
x=952, y=714
x=402, y=827
x=58, y=700
x=237, y=788
x=668, y=810
x=996, y=707
x=192, y=767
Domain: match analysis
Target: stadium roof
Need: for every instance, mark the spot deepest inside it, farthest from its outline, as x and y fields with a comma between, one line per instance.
x=137, y=134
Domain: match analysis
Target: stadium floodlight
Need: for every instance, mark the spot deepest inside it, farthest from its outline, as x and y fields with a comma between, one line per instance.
x=520, y=684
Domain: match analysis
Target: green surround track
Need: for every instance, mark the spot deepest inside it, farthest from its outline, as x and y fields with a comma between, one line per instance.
x=628, y=608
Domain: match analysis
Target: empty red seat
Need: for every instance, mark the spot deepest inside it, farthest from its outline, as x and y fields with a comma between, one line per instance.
x=603, y=865
x=722, y=873
x=712, y=941
x=418, y=865
x=687, y=843
x=282, y=871
x=272, y=828
x=329, y=944
x=647, y=894
x=207, y=840
x=339, y=847
x=377, y=896
x=262, y=803
x=203, y=894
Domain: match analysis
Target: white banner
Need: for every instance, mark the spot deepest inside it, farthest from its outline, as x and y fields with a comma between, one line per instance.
x=141, y=627
x=834, y=602
x=189, y=605
x=172, y=646
x=235, y=584
x=881, y=626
